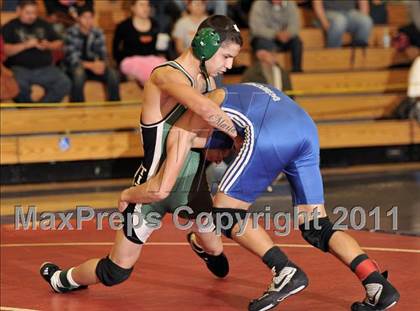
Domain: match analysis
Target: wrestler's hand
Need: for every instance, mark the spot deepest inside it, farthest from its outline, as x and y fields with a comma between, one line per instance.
x=237, y=143
x=122, y=205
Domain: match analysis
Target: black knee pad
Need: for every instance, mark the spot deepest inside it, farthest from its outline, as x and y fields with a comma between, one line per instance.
x=110, y=274
x=222, y=217
x=318, y=238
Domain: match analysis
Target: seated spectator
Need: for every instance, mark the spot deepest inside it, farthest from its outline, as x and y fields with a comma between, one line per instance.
x=8, y=85
x=339, y=16
x=85, y=57
x=186, y=27
x=29, y=42
x=408, y=38
x=274, y=26
x=136, y=47
x=63, y=13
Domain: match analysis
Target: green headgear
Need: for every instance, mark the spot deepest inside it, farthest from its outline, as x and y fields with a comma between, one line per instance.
x=205, y=44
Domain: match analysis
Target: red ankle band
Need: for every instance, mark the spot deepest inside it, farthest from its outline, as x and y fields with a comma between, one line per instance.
x=365, y=268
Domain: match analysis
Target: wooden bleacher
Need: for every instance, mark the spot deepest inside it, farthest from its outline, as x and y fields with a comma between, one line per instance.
x=95, y=91
x=349, y=107
x=318, y=60
x=69, y=133
x=110, y=145
x=69, y=119
x=343, y=82
x=109, y=132
x=368, y=134
x=121, y=117
x=353, y=81
x=397, y=14
x=313, y=38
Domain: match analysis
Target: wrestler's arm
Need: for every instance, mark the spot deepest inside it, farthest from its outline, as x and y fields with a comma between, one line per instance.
x=179, y=143
x=201, y=105
x=188, y=132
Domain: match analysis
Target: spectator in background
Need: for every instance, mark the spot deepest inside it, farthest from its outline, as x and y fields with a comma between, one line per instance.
x=28, y=45
x=186, y=27
x=63, y=13
x=339, y=16
x=85, y=57
x=274, y=26
x=137, y=43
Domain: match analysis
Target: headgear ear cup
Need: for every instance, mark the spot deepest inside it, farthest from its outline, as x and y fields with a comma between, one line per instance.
x=205, y=44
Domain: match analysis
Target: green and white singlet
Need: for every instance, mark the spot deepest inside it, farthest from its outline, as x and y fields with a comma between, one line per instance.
x=191, y=186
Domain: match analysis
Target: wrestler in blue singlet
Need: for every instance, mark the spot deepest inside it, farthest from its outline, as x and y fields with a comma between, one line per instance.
x=279, y=136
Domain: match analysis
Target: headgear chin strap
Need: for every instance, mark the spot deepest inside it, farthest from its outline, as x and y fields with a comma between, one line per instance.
x=206, y=75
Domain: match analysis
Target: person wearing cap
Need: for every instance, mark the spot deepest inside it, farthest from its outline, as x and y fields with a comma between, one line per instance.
x=173, y=88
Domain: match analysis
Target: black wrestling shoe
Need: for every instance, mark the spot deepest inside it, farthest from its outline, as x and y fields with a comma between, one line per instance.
x=379, y=296
x=47, y=271
x=218, y=265
x=289, y=281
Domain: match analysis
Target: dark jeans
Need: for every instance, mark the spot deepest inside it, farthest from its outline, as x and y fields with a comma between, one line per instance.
x=79, y=76
x=294, y=45
x=55, y=83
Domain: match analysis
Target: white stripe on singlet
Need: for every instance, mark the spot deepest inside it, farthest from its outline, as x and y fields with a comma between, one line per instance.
x=238, y=165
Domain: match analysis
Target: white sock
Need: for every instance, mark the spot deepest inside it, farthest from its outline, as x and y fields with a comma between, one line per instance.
x=70, y=279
